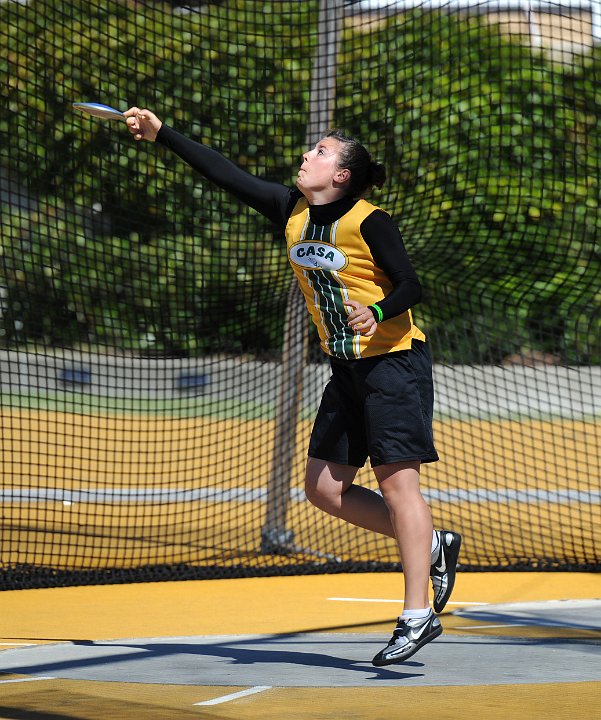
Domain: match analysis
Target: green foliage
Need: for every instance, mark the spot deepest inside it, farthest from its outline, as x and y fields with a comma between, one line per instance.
x=495, y=156
x=156, y=260
x=492, y=149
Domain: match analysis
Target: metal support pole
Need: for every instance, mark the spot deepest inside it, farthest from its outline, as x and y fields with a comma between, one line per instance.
x=276, y=538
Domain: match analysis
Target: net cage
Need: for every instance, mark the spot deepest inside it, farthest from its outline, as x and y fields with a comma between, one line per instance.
x=158, y=378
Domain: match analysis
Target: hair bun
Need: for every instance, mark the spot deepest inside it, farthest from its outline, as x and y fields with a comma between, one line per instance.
x=365, y=173
x=377, y=174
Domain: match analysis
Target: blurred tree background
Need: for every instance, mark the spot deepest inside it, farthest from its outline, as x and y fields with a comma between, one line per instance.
x=492, y=149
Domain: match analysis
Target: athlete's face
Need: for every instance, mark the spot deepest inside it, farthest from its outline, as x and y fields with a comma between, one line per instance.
x=319, y=170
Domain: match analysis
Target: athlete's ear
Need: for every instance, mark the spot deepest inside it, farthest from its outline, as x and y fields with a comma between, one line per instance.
x=342, y=176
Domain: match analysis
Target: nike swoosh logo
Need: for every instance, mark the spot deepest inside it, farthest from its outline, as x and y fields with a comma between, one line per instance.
x=443, y=564
x=416, y=635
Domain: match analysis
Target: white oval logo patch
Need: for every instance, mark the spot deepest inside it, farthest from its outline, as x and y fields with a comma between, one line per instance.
x=317, y=256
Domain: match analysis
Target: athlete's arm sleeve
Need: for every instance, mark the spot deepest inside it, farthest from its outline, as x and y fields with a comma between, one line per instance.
x=388, y=250
x=268, y=198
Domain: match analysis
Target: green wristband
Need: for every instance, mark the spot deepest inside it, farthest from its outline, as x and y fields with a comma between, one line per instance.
x=379, y=313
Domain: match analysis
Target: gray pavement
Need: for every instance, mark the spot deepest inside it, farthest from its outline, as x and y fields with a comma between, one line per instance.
x=340, y=659
x=310, y=660
x=564, y=614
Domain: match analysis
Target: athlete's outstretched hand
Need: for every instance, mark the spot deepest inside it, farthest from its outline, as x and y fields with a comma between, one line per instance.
x=361, y=319
x=142, y=124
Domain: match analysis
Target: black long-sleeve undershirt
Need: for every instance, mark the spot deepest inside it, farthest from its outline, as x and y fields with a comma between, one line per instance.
x=276, y=202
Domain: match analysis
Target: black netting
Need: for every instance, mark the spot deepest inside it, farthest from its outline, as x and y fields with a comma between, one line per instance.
x=150, y=423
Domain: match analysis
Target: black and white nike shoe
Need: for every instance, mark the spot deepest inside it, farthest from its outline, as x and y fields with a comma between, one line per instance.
x=442, y=570
x=408, y=637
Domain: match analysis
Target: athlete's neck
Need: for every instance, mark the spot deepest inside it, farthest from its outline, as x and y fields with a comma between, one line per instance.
x=328, y=213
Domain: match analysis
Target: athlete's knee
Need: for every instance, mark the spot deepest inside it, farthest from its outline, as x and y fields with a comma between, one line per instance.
x=326, y=483
x=399, y=481
x=321, y=489
x=320, y=493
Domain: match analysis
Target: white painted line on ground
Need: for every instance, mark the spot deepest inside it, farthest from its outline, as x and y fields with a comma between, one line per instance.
x=385, y=600
x=485, y=627
x=28, y=679
x=235, y=696
x=374, y=600
x=19, y=644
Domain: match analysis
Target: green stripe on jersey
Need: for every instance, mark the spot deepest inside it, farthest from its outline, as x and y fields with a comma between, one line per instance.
x=329, y=298
x=330, y=295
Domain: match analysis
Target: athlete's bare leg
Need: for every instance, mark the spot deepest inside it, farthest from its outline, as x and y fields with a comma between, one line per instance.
x=401, y=512
x=412, y=521
x=330, y=487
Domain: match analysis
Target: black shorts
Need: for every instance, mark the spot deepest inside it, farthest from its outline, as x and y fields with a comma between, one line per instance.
x=379, y=407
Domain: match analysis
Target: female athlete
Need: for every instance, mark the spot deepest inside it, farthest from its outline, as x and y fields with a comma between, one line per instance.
x=359, y=285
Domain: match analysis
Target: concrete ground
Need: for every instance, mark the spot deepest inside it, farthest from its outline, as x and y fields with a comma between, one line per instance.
x=519, y=645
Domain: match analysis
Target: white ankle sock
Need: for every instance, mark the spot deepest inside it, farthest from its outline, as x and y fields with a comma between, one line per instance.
x=418, y=614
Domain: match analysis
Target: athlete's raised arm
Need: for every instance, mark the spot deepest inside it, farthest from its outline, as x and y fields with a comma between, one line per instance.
x=268, y=198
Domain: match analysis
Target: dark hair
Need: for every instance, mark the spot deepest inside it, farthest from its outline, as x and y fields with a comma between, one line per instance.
x=365, y=173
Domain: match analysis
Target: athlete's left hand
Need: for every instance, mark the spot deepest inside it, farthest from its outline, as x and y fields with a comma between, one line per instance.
x=361, y=319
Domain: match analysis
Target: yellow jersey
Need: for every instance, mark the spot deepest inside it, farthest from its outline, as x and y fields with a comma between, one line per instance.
x=333, y=264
